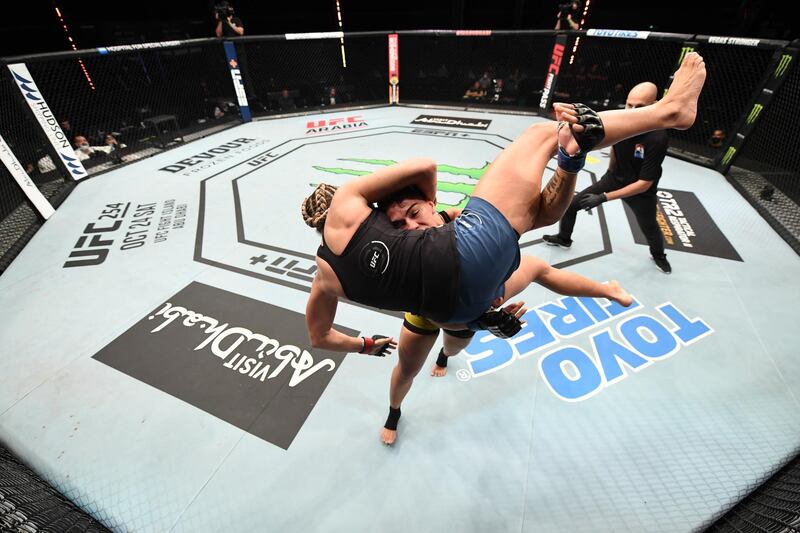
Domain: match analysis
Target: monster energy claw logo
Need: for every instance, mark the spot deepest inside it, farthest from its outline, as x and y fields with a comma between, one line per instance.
x=728, y=155
x=754, y=113
x=783, y=65
x=460, y=189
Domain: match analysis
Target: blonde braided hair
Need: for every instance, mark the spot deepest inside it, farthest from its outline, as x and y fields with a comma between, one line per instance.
x=315, y=208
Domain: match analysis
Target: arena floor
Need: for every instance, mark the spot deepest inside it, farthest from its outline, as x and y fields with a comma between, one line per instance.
x=156, y=367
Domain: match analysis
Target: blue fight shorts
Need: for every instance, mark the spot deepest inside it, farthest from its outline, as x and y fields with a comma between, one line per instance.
x=488, y=253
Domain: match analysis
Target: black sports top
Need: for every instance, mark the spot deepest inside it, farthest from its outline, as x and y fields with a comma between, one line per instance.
x=399, y=270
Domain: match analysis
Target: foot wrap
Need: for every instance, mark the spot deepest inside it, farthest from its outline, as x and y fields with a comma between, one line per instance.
x=392, y=419
x=441, y=361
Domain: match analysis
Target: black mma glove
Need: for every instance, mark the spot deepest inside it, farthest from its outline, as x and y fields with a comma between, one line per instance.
x=370, y=347
x=593, y=132
x=589, y=201
x=592, y=135
x=500, y=324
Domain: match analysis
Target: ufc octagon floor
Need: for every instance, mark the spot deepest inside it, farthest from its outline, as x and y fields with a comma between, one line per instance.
x=171, y=387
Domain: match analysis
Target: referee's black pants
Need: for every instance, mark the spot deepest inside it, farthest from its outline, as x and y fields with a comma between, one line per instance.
x=643, y=206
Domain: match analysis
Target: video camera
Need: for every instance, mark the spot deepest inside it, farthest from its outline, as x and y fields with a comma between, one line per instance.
x=564, y=9
x=223, y=10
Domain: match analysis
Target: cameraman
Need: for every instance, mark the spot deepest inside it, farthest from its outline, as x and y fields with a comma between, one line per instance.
x=227, y=24
x=568, y=16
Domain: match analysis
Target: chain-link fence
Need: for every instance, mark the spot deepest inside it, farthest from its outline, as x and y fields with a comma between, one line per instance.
x=28, y=504
x=734, y=76
x=290, y=75
x=600, y=71
x=498, y=69
x=21, y=132
x=767, y=169
x=772, y=148
x=772, y=507
x=125, y=105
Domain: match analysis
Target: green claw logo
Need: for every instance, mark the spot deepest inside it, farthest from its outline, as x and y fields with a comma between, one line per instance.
x=462, y=190
x=754, y=113
x=728, y=155
x=783, y=65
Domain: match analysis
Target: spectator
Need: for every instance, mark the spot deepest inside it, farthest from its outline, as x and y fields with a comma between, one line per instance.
x=286, y=102
x=112, y=141
x=85, y=151
x=569, y=16
x=66, y=127
x=331, y=98
x=485, y=81
x=228, y=25
x=115, y=146
x=475, y=92
x=717, y=139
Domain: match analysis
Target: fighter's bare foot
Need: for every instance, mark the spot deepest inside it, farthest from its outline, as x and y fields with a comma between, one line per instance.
x=684, y=91
x=438, y=371
x=566, y=114
x=618, y=294
x=388, y=436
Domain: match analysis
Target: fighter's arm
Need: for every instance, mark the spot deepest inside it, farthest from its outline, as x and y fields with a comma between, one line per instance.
x=320, y=312
x=420, y=172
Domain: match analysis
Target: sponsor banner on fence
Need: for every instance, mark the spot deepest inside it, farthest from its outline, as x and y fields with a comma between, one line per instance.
x=244, y=361
x=473, y=33
x=314, y=35
x=457, y=122
x=740, y=41
x=619, y=34
x=552, y=71
x=138, y=46
x=686, y=226
x=394, y=69
x=21, y=177
x=47, y=121
x=238, y=86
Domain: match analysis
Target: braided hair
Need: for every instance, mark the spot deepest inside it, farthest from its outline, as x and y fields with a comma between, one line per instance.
x=315, y=208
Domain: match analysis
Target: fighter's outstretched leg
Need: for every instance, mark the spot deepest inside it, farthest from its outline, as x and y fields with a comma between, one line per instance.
x=512, y=183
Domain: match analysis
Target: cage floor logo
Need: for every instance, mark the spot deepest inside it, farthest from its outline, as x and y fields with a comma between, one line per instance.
x=573, y=373
x=686, y=226
x=458, y=122
x=242, y=360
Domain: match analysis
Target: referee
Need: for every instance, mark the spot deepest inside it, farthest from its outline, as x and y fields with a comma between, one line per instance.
x=632, y=175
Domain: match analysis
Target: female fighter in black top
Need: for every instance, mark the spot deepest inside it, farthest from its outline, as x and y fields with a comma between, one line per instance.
x=453, y=273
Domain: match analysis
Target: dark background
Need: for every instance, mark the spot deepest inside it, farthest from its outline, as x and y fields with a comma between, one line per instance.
x=32, y=26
